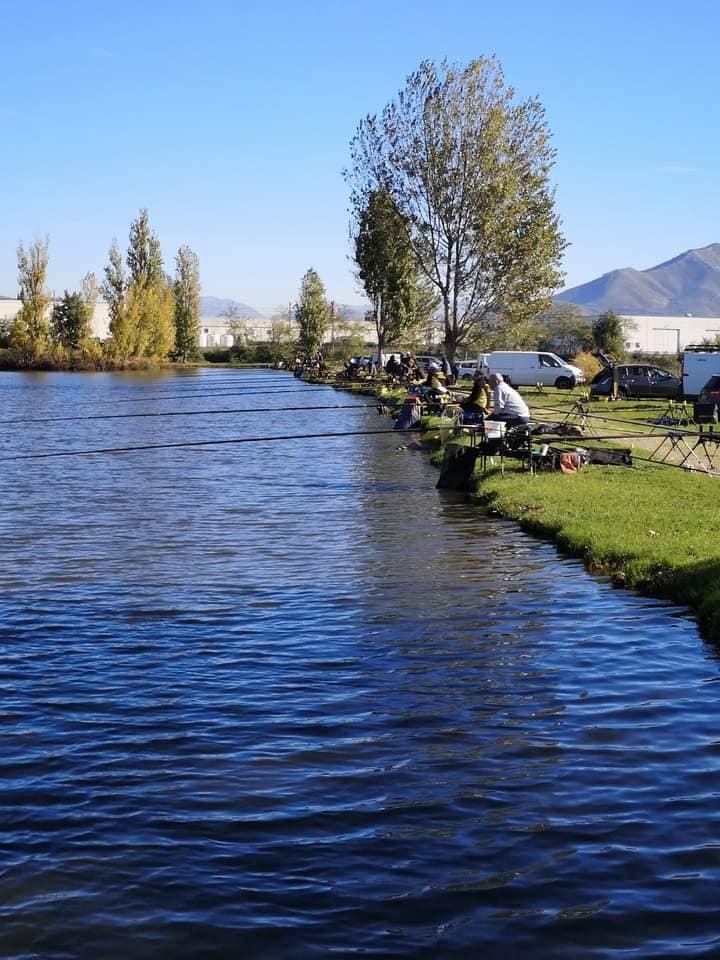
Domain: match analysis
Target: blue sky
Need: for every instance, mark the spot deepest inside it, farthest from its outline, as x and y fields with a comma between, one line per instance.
x=230, y=122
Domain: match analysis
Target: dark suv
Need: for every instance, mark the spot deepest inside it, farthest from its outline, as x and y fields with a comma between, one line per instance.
x=637, y=380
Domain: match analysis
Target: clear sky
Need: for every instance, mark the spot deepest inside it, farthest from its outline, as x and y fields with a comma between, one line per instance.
x=230, y=121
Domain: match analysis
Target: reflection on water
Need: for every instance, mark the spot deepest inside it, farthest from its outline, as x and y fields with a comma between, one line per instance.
x=286, y=700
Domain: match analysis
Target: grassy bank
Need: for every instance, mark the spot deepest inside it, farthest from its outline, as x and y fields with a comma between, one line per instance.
x=650, y=527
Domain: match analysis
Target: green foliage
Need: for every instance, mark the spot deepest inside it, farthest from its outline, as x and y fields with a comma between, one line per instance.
x=5, y=332
x=666, y=361
x=71, y=321
x=141, y=303
x=386, y=267
x=113, y=290
x=186, y=291
x=608, y=336
x=312, y=312
x=565, y=330
x=468, y=168
x=144, y=260
x=30, y=329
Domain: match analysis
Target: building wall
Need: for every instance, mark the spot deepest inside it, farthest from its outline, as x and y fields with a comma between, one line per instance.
x=668, y=334
x=9, y=309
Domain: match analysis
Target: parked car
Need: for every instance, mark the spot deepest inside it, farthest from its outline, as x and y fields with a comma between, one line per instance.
x=637, y=380
x=466, y=369
x=425, y=360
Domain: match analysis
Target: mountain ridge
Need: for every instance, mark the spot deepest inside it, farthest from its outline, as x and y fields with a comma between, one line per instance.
x=687, y=283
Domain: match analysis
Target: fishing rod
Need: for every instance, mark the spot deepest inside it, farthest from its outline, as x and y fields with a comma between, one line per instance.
x=204, y=443
x=185, y=413
x=191, y=396
x=606, y=419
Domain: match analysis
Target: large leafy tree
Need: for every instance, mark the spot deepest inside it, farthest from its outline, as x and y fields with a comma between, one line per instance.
x=186, y=290
x=30, y=329
x=312, y=312
x=468, y=168
x=386, y=267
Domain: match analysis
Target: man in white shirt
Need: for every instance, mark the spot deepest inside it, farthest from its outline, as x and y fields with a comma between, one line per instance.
x=508, y=405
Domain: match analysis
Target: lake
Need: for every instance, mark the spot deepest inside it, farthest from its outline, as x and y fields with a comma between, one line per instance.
x=286, y=700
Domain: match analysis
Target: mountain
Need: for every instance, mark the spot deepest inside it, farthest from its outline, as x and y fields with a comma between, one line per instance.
x=216, y=307
x=689, y=283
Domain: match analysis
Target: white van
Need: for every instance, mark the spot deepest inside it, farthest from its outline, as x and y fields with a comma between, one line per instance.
x=525, y=368
x=698, y=365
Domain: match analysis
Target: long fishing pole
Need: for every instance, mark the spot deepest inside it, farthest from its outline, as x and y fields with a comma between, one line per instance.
x=204, y=443
x=204, y=395
x=184, y=413
x=606, y=419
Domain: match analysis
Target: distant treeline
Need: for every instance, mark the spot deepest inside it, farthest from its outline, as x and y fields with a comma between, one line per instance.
x=153, y=315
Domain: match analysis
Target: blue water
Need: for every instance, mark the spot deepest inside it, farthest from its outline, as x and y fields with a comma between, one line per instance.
x=286, y=700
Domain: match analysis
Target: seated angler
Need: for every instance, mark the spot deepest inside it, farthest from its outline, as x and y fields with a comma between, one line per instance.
x=432, y=381
x=508, y=405
x=479, y=400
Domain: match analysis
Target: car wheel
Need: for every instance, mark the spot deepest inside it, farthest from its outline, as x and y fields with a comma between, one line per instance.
x=563, y=383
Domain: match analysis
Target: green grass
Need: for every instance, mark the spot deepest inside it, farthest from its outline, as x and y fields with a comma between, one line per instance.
x=652, y=528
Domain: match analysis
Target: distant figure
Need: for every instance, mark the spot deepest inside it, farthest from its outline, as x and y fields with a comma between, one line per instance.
x=393, y=367
x=446, y=368
x=508, y=405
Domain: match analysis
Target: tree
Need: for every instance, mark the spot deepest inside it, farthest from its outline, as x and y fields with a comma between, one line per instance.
x=144, y=259
x=141, y=302
x=565, y=329
x=468, y=168
x=151, y=300
x=90, y=292
x=282, y=334
x=239, y=328
x=386, y=267
x=608, y=336
x=71, y=321
x=312, y=312
x=30, y=328
x=186, y=290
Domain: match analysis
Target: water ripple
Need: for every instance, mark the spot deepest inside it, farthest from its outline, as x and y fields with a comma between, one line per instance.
x=287, y=701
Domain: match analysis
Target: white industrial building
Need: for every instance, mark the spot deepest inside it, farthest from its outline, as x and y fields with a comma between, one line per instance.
x=667, y=334
x=9, y=309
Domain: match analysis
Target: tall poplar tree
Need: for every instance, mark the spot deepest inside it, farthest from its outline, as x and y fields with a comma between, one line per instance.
x=312, y=312
x=186, y=290
x=141, y=302
x=114, y=289
x=30, y=329
x=386, y=267
x=468, y=167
